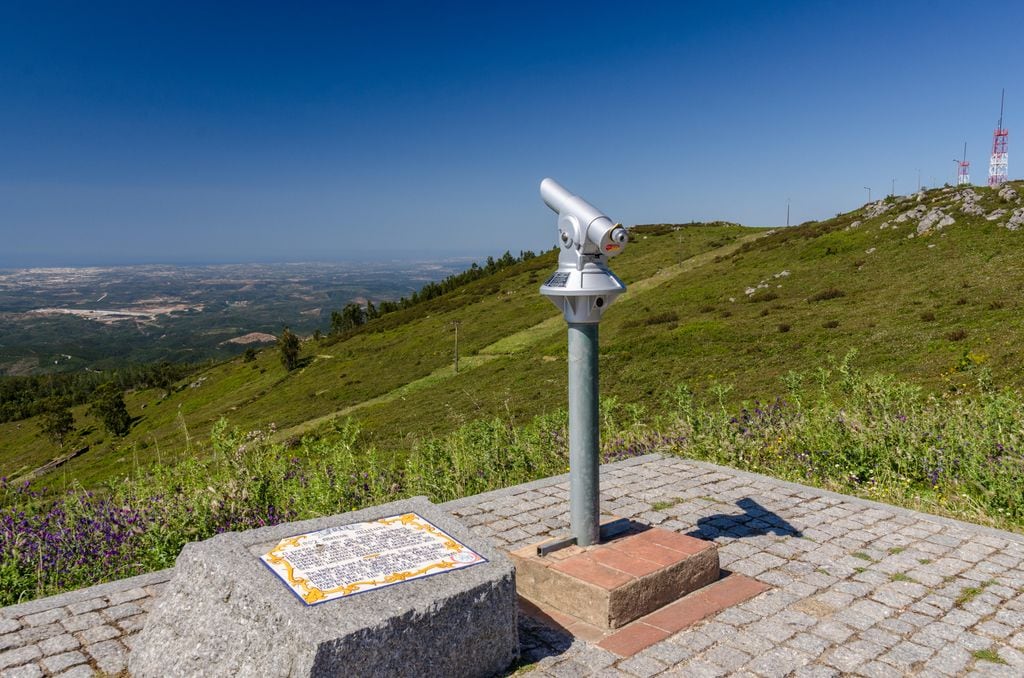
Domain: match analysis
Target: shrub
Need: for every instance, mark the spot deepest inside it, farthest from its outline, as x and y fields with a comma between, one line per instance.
x=288, y=345
x=784, y=327
x=661, y=318
x=830, y=324
x=995, y=305
x=928, y=317
x=961, y=301
x=872, y=436
x=758, y=297
x=764, y=312
x=706, y=308
x=824, y=295
x=958, y=334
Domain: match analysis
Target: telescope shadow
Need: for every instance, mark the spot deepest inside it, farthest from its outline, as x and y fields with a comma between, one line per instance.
x=755, y=521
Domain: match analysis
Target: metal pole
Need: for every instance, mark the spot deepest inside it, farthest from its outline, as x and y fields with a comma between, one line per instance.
x=456, y=323
x=584, y=434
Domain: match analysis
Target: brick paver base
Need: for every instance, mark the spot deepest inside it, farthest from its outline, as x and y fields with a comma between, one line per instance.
x=858, y=588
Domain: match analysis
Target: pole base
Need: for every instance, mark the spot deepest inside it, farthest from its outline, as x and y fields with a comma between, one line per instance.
x=622, y=579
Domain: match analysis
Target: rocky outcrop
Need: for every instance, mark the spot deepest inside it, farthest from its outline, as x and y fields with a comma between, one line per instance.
x=1017, y=220
x=970, y=206
x=916, y=214
x=1008, y=194
x=876, y=209
x=934, y=220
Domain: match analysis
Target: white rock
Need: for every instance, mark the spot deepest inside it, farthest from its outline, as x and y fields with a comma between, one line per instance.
x=934, y=219
x=914, y=214
x=1007, y=193
x=1017, y=220
x=876, y=209
x=995, y=214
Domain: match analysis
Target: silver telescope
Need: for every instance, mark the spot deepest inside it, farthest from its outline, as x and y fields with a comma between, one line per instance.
x=580, y=224
x=582, y=288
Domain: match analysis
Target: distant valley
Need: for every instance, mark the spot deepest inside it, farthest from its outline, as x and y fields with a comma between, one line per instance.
x=63, y=319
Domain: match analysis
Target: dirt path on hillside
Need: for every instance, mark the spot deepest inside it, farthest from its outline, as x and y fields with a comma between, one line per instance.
x=516, y=342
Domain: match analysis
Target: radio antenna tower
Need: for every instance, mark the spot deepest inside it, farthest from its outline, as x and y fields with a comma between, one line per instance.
x=963, y=174
x=997, y=167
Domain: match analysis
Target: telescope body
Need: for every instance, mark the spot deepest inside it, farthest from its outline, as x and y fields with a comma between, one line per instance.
x=582, y=287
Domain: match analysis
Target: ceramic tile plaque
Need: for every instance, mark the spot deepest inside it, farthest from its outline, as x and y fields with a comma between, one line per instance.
x=349, y=559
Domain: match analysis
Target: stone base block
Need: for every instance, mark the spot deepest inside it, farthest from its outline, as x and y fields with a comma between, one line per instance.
x=618, y=581
x=225, y=614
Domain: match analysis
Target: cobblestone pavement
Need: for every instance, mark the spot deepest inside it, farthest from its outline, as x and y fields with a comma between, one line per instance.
x=859, y=588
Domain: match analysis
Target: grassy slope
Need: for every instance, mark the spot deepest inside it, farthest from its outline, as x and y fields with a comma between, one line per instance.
x=393, y=374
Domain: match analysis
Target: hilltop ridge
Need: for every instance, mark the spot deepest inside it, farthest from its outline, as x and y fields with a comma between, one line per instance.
x=924, y=286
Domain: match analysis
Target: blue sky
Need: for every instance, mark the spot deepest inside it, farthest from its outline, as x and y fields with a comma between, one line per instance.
x=141, y=132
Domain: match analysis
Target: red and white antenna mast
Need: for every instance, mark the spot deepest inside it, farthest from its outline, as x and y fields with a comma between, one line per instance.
x=997, y=166
x=963, y=173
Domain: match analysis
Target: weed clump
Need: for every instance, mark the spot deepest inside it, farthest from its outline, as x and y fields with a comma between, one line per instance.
x=766, y=296
x=662, y=318
x=655, y=319
x=958, y=334
x=825, y=295
x=830, y=324
x=928, y=317
x=784, y=327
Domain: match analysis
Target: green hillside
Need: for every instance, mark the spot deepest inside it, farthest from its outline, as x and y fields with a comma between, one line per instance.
x=708, y=304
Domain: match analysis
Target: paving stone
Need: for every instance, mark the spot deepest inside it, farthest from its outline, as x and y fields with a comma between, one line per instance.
x=994, y=629
x=58, y=644
x=81, y=622
x=750, y=642
x=641, y=666
x=23, y=671
x=809, y=644
x=906, y=654
x=669, y=654
x=80, y=671
x=18, y=656
x=880, y=637
x=88, y=605
x=835, y=631
x=850, y=656
x=728, y=658
x=9, y=625
x=875, y=669
x=110, y=656
x=132, y=624
x=35, y=634
x=99, y=633
x=10, y=640
x=126, y=596
x=45, y=617
x=59, y=662
x=778, y=662
x=949, y=660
